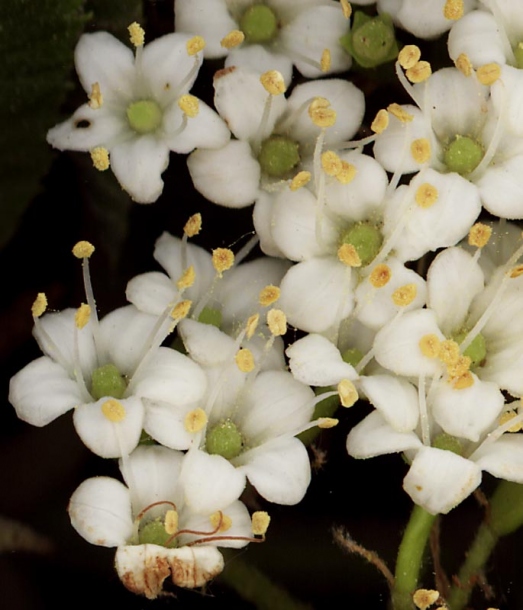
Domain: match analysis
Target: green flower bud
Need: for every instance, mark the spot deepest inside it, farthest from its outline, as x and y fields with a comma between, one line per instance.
x=107, y=381
x=278, y=156
x=371, y=41
x=259, y=24
x=144, y=116
x=463, y=155
x=366, y=239
x=224, y=439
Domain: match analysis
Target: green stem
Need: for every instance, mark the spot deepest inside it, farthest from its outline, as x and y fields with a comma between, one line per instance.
x=410, y=556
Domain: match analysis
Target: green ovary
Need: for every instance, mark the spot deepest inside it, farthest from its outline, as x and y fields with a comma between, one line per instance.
x=366, y=239
x=278, y=156
x=224, y=439
x=259, y=24
x=448, y=443
x=373, y=41
x=463, y=155
x=352, y=356
x=518, y=54
x=154, y=533
x=211, y=316
x=476, y=351
x=144, y=116
x=107, y=381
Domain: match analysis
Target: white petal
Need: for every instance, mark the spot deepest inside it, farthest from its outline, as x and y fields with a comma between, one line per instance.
x=106, y=438
x=503, y=458
x=316, y=361
x=42, y=391
x=395, y=398
x=166, y=424
x=478, y=36
x=229, y=176
x=100, y=511
x=138, y=166
x=279, y=470
x=262, y=219
x=259, y=59
x=503, y=177
x=374, y=436
x=151, y=292
x=206, y=344
x=210, y=481
x=439, y=480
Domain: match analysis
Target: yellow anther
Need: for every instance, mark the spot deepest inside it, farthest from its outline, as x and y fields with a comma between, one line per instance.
x=400, y=113
x=82, y=316
x=244, y=360
x=404, y=295
x=233, y=39
x=222, y=259
x=325, y=61
x=424, y=598
x=331, y=163
x=83, y=249
x=346, y=8
x=327, y=422
x=100, y=158
x=430, y=346
x=189, y=105
x=260, y=522
x=409, y=56
x=479, y=235
x=195, y=45
x=426, y=195
x=170, y=522
x=181, y=310
x=419, y=73
x=95, y=97
x=193, y=226
x=463, y=381
x=252, y=324
x=187, y=279
x=321, y=113
x=269, y=295
x=380, y=275
x=40, y=305
x=220, y=522
x=516, y=271
x=347, y=173
x=348, y=255
x=460, y=368
x=300, y=179
x=453, y=9
x=347, y=393
x=277, y=322
x=380, y=122
x=420, y=150
x=508, y=416
x=463, y=64
x=488, y=74
x=273, y=82
x=195, y=420
x=136, y=34
x=113, y=410
x=449, y=352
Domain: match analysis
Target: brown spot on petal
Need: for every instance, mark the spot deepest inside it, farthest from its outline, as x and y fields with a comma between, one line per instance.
x=223, y=72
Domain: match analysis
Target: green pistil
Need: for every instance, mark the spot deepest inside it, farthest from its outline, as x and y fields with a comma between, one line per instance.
x=518, y=54
x=366, y=239
x=463, y=155
x=259, y=24
x=107, y=381
x=278, y=155
x=371, y=41
x=352, y=356
x=225, y=440
x=477, y=350
x=154, y=533
x=448, y=443
x=144, y=116
x=210, y=316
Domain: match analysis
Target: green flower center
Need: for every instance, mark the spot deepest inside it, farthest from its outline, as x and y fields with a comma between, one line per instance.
x=210, y=316
x=463, y=155
x=366, y=239
x=518, y=54
x=107, y=381
x=476, y=351
x=448, y=442
x=259, y=24
x=224, y=439
x=144, y=116
x=278, y=155
x=352, y=356
x=374, y=40
x=154, y=533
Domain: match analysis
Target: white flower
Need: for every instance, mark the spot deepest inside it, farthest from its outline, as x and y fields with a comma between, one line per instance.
x=156, y=533
x=277, y=33
x=110, y=373
x=133, y=111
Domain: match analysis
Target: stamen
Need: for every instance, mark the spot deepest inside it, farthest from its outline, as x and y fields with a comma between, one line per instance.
x=136, y=34
x=430, y=346
x=189, y=105
x=424, y=598
x=509, y=416
x=423, y=414
x=325, y=61
x=409, y=56
x=193, y=226
x=479, y=235
x=488, y=74
x=100, y=158
x=82, y=316
x=187, y=279
x=347, y=173
x=419, y=72
x=462, y=381
x=300, y=179
x=404, y=295
x=83, y=249
x=244, y=360
x=327, y=422
x=113, y=410
x=195, y=420
x=252, y=324
x=380, y=122
x=277, y=322
x=195, y=45
x=260, y=523
x=402, y=115
x=321, y=113
x=449, y=352
x=95, y=97
x=171, y=522
x=380, y=275
x=515, y=271
x=347, y=393
x=220, y=522
x=39, y=305
x=273, y=82
x=222, y=260
x=420, y=150
x=348, y=255
x=232, y=39
x=426, y=195
x=453, y=9
x=463, y=64
x=346, y=8
x=181, y=310
x=269, y=295
x=331, y=163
